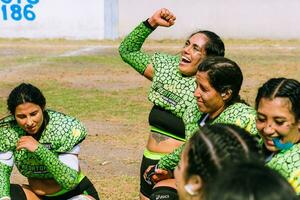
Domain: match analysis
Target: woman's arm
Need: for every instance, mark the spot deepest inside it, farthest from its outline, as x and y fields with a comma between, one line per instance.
x=65, y=176
x=130, y=48
x=6, y=164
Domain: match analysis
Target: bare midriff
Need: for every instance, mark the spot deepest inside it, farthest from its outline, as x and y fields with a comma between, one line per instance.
x=165, y=145
x=44, y=186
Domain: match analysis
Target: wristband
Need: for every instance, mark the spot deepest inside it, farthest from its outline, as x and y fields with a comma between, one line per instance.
x=148, y=25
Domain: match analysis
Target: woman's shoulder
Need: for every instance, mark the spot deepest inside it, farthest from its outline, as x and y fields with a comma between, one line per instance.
x=163, y=60
x=239, y=109
x=9, y=133
x=286, y=161
x=63, y=131
x=59, y=118
x=239, y=114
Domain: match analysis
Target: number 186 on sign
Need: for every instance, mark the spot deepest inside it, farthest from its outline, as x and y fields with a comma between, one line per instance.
x=18, y=9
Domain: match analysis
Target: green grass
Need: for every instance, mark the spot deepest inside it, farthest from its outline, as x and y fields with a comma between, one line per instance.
x=91, y=103
x=40, y=62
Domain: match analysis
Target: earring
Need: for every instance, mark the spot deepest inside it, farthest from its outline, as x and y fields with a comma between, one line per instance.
x=189, y=189
x=223, y=95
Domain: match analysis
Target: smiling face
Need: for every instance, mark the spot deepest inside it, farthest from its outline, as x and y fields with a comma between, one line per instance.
x=276, y=120
x=29, y=117
x=208, y=99
x=192, y=54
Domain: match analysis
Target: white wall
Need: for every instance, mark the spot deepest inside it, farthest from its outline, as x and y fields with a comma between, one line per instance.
x=86, y=19
x=276, y=19
x=73, y=19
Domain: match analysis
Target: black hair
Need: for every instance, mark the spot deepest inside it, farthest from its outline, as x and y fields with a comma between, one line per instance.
x=214, y=46
x=281, y=87
x=213, y=146
x=249, y=180
x=224, y=74
x=25, y=93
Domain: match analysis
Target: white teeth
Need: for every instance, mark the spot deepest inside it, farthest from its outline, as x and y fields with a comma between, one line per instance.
x=185, y=59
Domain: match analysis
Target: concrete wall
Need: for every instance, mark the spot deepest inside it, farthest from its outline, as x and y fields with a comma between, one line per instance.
x=99, y=19
x=74, y=19
x=277, y=19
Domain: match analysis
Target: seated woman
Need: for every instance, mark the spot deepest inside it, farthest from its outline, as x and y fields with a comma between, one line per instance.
x=206, y=154
x=218, y=101
x=278, y=122
x=44, y=145
x=249, y=180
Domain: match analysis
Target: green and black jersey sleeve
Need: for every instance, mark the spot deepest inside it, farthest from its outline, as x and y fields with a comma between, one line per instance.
x=170, y=90
x=8, y=138
x=239, y=114
x=130, y=48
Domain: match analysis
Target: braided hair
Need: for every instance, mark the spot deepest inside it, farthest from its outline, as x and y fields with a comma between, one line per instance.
x=281, y=87
x=212, y=147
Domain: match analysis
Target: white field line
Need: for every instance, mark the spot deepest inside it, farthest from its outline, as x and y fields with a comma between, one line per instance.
x=98, y=49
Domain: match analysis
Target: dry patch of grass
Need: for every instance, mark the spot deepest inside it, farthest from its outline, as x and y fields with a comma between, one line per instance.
x=88, y=79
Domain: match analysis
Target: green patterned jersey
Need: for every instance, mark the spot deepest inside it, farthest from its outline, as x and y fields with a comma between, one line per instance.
x=169, y=90
x=287, y=163
x=60, y=135
x=239, y=114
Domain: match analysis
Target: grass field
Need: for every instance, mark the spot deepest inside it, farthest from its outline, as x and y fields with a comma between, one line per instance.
x=87, y=79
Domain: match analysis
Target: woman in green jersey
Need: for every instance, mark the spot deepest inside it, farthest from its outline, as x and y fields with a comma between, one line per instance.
x=44, y=145
x=219, y=81
x=173, y=84
x=278, y=122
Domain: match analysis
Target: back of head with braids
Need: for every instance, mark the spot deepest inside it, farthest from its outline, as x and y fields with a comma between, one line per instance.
x=281, y=87
x=213, y=146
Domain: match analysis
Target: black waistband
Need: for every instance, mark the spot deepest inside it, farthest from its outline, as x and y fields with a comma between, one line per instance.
x=166, y=121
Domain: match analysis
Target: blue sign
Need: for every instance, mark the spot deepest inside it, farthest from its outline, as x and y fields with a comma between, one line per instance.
x=18, y=10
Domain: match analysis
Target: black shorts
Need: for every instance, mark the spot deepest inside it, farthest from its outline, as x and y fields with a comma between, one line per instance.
x=84, y=187
x=149, y=158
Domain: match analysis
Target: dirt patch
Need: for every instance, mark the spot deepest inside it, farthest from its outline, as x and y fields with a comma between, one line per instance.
x=99, y=77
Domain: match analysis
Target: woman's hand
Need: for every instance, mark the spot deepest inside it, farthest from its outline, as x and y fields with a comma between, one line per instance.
x=162, y=17
x=152, y=175
x=27, y=142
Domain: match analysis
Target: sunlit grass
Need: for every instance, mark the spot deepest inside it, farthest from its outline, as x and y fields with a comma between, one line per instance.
x=45, y=64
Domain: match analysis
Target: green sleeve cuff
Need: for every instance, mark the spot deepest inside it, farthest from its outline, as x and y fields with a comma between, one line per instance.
x=5, y=172
x=130, y=48
x=170, y=161
x=64, y=175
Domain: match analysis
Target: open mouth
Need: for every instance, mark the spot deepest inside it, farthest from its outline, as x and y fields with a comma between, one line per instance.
x=185, y=60
x=269, y=142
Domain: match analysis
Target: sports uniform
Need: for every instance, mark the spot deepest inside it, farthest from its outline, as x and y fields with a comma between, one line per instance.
x=238, y=113
x=60, y=136
x=170, y=92
x=287, y=163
